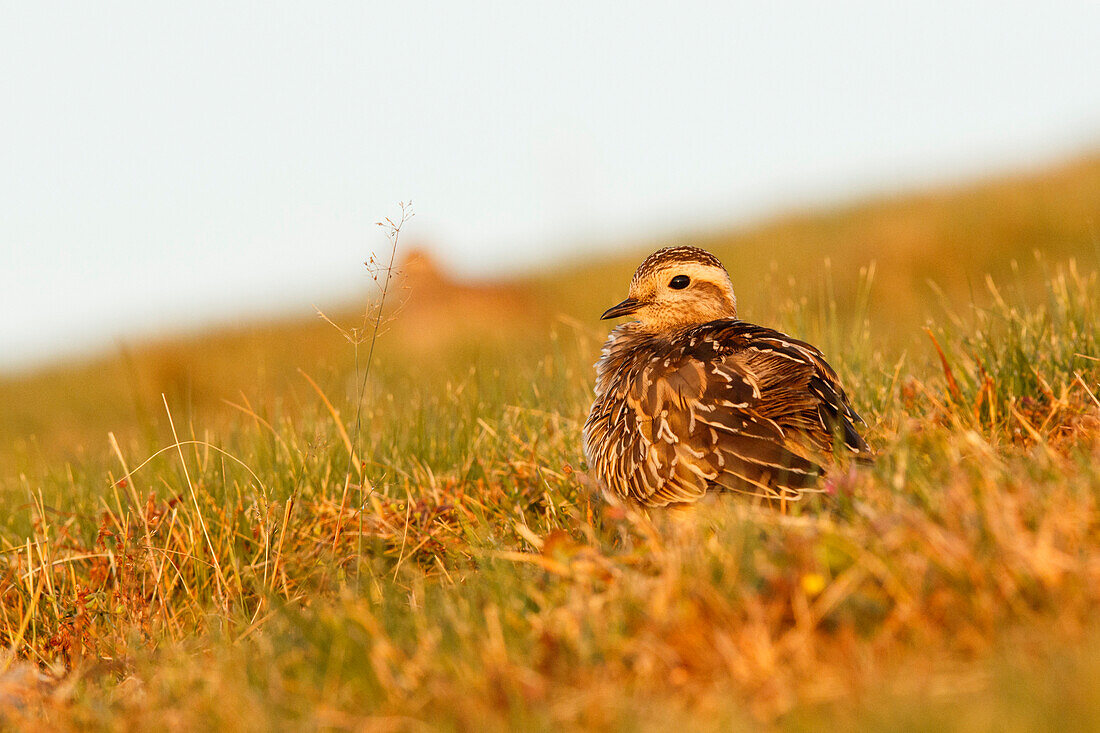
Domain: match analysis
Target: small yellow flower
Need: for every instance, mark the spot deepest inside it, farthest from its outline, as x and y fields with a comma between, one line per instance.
x=813, y=583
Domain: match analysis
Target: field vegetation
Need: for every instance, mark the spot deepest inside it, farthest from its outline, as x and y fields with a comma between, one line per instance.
x=246, y=530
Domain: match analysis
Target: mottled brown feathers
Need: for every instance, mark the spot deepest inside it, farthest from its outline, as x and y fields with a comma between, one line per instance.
x=719, y=405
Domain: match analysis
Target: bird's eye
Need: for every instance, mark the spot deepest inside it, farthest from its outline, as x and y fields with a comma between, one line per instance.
x=679, y=282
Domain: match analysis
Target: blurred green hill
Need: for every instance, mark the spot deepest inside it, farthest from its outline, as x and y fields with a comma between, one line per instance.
x=430, y=555
x=950, y=237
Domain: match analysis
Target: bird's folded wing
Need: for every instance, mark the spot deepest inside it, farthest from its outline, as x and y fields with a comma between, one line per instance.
x=699, y=424
x=801, y=389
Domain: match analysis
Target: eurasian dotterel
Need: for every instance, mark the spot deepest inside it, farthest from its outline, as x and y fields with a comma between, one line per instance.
x=689, y=399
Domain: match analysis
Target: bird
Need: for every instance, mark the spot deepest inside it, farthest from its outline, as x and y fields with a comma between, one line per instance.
x=689, y=399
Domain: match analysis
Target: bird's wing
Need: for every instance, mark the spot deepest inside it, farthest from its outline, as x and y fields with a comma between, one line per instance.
x=700, y=422
x=800, y=391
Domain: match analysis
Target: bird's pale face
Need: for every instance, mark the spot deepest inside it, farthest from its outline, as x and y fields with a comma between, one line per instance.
x=677, y=294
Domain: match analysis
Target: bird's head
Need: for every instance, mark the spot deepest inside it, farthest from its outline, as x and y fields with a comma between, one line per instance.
x=678, y=287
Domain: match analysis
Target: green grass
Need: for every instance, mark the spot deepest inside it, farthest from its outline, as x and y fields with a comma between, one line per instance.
x=216, y=564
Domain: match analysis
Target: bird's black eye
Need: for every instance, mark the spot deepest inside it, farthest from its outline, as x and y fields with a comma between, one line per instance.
x=679, y=282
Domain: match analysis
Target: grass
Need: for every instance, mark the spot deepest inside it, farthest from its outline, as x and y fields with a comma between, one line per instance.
x=210, y=563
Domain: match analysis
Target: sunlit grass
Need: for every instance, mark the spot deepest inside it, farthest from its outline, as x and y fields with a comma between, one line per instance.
x=216, y=564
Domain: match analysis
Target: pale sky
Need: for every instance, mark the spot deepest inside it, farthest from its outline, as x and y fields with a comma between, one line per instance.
x=171, y=165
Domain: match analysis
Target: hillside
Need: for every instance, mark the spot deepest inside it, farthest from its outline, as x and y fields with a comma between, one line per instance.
x=210, y=531
x=950, y=238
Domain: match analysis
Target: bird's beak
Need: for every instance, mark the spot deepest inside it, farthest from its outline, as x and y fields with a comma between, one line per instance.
x=626, y=308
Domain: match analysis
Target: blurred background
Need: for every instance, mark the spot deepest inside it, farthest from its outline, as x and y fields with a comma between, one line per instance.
x=167, y=167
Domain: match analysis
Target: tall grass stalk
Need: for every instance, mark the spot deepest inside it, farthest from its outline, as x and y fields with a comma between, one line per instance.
x=368, y=333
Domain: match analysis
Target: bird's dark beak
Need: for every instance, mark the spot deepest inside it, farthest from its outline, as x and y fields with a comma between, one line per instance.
x=627, y=307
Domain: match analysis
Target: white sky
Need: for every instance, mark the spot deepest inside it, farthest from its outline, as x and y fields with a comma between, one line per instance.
x=164, y=165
